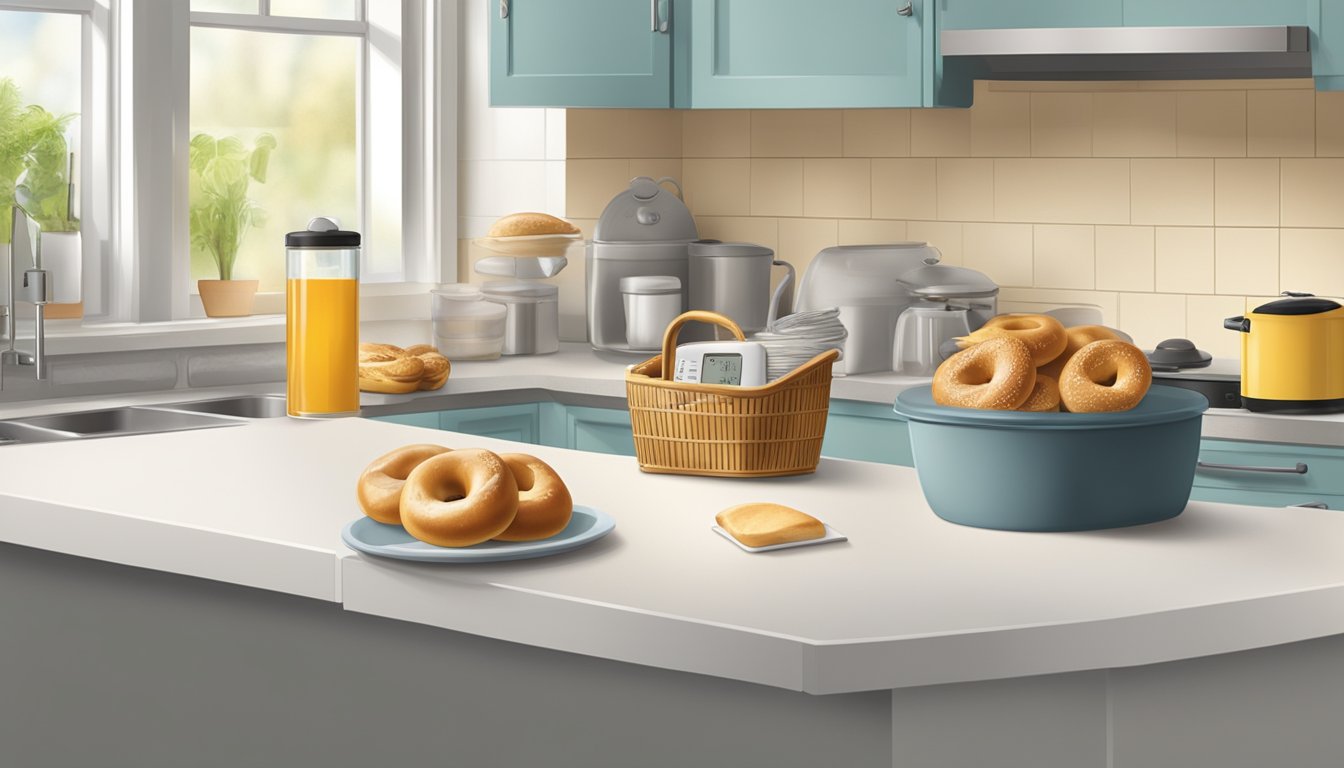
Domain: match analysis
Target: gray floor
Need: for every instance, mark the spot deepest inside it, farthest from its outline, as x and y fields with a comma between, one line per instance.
x=110, y=666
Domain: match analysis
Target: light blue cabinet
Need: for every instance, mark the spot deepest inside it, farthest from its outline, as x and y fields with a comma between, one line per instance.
x=866, y=432
x=521, y=423
x=578, y=53
x=1323, y=480
x=599, y=430
x=803, y=53
x=429, y=420
x=1218, y=13
x=997, y=14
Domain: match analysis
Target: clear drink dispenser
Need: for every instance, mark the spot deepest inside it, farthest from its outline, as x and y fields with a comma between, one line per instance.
x=322, y=321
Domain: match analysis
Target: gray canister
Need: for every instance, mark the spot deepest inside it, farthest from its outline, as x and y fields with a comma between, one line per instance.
x=533, y=318
x=651, y=302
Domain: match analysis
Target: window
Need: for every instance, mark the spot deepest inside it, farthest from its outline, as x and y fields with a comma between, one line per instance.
x=352, y=103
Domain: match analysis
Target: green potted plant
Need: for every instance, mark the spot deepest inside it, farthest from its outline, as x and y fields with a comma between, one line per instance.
x=222, y=213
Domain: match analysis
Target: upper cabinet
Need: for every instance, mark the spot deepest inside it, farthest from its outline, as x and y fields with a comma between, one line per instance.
x=1218, y=13
x=998, y=14
x=802, y=53
x=580, y=53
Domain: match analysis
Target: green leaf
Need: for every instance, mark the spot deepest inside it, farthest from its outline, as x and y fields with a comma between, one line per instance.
x=221, y=212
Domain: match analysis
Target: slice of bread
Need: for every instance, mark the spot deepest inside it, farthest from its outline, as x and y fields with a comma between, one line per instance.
x=761, y=524
x=518, y=224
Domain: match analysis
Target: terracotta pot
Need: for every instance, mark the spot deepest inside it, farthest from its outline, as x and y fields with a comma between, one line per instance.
x=227, y=298
x=72, y=311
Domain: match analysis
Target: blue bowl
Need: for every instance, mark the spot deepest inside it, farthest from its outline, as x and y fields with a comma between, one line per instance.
x=1018, y=471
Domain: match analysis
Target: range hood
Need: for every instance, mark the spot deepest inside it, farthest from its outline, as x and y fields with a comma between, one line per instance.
x=1132, y=53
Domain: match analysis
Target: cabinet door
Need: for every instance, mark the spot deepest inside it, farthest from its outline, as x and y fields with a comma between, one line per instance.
x=1217, y=13
x=599, y=430
x=1327, y=47
x=506, y=422
x=578, y=53
x=1265, y=499
x=998, y=14
x=1324, y=469
x=804, y=53
x=430, y=420
x=867, y=432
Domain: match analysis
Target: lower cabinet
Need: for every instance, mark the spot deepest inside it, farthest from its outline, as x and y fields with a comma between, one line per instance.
x=866, y=432
x=1269, y=474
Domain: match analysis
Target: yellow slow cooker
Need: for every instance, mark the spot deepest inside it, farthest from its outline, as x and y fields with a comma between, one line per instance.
x=1292, y=355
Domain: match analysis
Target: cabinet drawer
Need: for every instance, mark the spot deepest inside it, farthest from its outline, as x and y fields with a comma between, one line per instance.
x=1266, y=498
x=1324, y=468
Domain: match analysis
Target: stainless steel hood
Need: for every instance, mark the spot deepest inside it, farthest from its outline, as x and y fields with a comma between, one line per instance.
x=1132, y=53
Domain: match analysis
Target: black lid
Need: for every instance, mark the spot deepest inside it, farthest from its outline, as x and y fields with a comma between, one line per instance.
x=322, y=233
x=1297, y=306
x=1175, y=354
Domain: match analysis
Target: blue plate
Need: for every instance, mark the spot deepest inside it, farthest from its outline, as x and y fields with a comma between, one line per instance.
x=374, y=538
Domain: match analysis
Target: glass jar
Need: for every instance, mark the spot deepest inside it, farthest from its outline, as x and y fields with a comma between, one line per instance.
x=322, y=321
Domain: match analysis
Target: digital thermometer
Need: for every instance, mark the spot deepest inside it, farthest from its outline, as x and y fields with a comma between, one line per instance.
x=736, y=363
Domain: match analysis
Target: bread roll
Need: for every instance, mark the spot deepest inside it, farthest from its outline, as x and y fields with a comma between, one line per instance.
x=762, y=524
x=394, y=377
x=520, y=224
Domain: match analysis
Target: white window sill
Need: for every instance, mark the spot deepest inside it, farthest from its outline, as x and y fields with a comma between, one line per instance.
x=378, y=303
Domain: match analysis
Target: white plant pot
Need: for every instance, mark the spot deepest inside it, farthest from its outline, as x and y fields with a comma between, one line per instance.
x=62, y=256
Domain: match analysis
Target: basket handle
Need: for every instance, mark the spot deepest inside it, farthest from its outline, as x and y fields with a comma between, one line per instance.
x=674, y=329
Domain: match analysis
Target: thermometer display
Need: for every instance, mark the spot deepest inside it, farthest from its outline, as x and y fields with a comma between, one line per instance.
x=722, y=369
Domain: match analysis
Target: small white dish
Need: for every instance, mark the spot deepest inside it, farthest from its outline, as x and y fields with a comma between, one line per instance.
x=831, y=535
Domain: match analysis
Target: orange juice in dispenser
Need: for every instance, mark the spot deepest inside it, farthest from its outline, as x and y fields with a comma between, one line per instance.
x=322, y=321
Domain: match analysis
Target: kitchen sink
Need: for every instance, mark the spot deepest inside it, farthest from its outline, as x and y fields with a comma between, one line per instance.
x=245, y=406
x=14, y=434
x=119, y=421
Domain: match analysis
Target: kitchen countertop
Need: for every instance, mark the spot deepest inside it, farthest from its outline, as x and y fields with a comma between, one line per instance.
x=909, y=600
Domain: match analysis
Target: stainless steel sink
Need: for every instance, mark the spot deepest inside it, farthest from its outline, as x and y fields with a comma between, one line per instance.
x=13, y=434
x=121, y=421
x=244, y=406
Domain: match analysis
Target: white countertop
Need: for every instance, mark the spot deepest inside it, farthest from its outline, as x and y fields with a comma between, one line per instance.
x=908, y=600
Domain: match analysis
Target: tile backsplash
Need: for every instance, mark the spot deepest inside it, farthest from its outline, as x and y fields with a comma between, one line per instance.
x=1170, y=205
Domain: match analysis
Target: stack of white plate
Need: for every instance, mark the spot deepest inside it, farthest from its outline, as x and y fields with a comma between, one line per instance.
x=795, y=339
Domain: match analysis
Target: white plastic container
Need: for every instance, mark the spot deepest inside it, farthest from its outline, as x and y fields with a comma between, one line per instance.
x=652, y=302
x=466, y=326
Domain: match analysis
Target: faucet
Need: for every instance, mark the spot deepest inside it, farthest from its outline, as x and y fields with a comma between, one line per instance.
x=37, y=289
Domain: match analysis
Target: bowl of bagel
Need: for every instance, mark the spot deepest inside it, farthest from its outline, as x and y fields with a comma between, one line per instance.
x=1032, y=426
x=431, y=502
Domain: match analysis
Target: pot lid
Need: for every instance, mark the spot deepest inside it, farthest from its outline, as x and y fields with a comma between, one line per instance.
x=1159, y=406
x=715, y=248
x=322, y=232
x=945, y=281
x=1297, y=304
x=650, y=284
x=1175, y=354
x=646, y=212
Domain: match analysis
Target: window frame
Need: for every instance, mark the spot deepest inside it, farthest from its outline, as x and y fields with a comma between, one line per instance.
x=135, y=133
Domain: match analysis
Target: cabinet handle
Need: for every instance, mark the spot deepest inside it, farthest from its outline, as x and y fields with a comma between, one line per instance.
x=1312, y=505
x=653, y=15
x=658, y=16
x=503, y=9
x=908, y=10
x=1297, y=469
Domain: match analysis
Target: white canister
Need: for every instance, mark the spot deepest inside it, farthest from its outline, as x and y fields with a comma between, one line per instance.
x=531, y=324
x=652, y=302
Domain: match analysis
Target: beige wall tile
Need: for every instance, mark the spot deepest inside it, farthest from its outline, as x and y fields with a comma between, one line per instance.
x=1312, y=260
x=1060, y=191
x=718, y=187
x=1184, y=260
x=1312, y=193
x=1204, y=317
x=872, y=231
x=1001, y=124
x=945, y=236
x=796, y=132
x=1001, y=251
x=1152, y=317
x=1330, y=124
x=1211, y=124
x=623, y=133
x=876, y=132
x=965, y=189
x=940, y=132
x=1280, y=123
x=591, y=184
x=716, y=133
x=1246, y=193
x=1247, y=261
x=1125, y=258
x=840, y=188
x=1061, y=124
x=1141, y=124
x=654, y=168
x=905, y=188
x=761, y=230
x=776, y=187
x=1171, y=192
x=1064, y=256
x=800, y=240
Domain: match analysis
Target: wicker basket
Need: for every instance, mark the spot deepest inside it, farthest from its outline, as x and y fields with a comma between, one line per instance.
x=715, y=429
